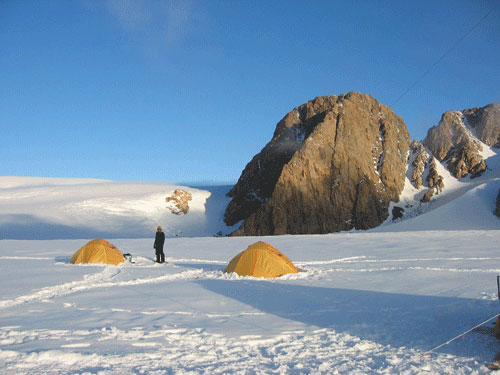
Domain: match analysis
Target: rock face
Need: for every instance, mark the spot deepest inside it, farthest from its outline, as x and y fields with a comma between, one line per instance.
x=418, y=164
x=486, y=123
x=455, y=139
x=333, y=164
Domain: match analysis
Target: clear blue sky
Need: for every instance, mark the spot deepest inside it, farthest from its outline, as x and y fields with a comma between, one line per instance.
x=189, y=91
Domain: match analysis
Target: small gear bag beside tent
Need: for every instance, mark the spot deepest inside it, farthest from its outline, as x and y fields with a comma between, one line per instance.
x=261, y=260
x=98, y=251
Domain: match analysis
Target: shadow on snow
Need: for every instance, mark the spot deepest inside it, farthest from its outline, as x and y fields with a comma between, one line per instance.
x=399, y=320
x=28, y=227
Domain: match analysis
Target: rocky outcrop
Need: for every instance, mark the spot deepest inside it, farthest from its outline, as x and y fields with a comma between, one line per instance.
x=333, y=164
x=427, y=196
x=434, y=179
x=422, y=166
x=397, y=213
x=466, y=160
x=452, y=140
x=178, y=202
x=420, y=158
x=497, y=206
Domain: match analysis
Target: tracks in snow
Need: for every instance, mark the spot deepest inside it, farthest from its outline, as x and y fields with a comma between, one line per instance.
x=108, y=277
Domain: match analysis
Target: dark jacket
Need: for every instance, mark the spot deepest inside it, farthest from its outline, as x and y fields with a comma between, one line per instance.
x=159, y=241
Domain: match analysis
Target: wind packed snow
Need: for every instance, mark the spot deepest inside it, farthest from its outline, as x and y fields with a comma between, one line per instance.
x=372, y=302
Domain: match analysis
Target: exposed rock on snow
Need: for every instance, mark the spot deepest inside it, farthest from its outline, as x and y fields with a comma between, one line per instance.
x=497, y=208
x=453, y=142
x=434, y=179
x=333, y=164
x=179, y=202
x=458, y=147
x=397, y=212
x=422, y=164
x=418, y=164
x=427, y=196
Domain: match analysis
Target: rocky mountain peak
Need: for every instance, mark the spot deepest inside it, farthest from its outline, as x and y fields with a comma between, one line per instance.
x=457, y=139
x=334, y=163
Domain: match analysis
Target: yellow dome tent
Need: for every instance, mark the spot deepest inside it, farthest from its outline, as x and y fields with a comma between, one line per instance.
x=98, y=251
x=261, y=260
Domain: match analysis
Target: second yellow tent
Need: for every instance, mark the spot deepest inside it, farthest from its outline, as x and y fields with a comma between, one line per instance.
x=261, y=260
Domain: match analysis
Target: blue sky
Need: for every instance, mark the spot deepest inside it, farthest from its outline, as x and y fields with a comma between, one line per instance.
x=188, y=91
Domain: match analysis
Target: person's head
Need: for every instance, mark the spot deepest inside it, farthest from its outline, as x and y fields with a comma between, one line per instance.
x=159, y=229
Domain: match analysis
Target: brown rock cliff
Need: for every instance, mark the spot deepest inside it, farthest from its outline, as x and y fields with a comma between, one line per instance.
x=333, y=164
x=452, y=140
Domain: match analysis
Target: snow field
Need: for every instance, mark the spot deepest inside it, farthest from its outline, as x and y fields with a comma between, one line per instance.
x=364, y=303
x=45, y=208
x=173, y=351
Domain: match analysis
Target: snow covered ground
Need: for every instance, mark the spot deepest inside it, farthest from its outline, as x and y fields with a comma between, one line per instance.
x=372, y=302
x=364, y=303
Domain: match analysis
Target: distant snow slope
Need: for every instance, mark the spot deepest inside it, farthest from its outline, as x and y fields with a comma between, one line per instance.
x=465, y=204
x=473, y=210
x=51, y=208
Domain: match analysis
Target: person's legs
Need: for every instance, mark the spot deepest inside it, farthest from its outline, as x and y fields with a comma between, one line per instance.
x=162, y=257
x=158, y=257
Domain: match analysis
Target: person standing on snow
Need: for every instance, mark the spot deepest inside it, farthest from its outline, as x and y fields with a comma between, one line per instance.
x=158, y=245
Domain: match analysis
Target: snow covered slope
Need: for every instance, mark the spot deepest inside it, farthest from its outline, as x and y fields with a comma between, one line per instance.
x=50, y=208
x=472, y=210
x=463, y=204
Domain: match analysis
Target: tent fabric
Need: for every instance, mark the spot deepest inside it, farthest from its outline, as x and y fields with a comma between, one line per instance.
x=98, y=251
x=261, y=260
